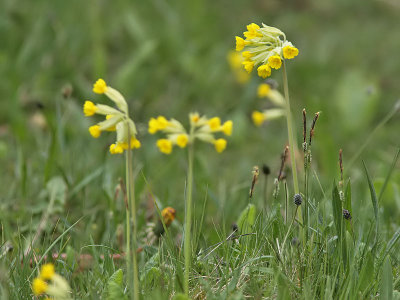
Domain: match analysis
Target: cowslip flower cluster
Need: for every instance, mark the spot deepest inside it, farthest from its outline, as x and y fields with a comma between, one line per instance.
x=50, y=283
x=265, y=91
x=264, y=48
x=116, y=119
x=200, y=128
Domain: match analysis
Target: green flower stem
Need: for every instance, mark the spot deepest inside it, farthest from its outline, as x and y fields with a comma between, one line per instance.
x=130, y=192
x=291, y=136
x=188, y=218
x=128, y=225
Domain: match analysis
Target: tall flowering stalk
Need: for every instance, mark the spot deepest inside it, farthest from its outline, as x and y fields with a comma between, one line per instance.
x=118, y=119
x=202, y=129
x=267, y=48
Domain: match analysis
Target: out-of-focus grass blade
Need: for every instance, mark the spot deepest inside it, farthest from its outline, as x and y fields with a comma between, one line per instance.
x=392, y=242
x=389, y=174
x=337, y=210
x=374, y=199
x=386, y=291
x=85, y=181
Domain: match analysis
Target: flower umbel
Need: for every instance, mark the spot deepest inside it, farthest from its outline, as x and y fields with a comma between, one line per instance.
x=50, y=283
x=200, y=128
x=264, y=48
x=116, y=119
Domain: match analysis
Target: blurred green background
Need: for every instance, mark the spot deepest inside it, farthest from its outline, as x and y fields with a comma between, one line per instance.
x=170, y=58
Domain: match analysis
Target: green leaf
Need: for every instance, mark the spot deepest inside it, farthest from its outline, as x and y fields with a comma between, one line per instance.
x=337, y=211
x=115, y=289
x=386, y=291
x=389, y=174
x=392, y=242
x=247, y=219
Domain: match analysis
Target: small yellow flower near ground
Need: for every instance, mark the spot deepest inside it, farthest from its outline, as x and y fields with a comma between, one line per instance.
x=290, y=52
x=220, y=145
x=263, y=90
x=47, y=272
x=240, y=43
x=258, y=118
x=275, y=62
x=39, y=286
x=100, y=87
x=89, y=108
x=95, y=131
x=162, y=123
x=168, y=215
x=227, y=128
x=248, y=65
x=165, y=146
x=264, y=71
x=182, y=140
x=214, y=123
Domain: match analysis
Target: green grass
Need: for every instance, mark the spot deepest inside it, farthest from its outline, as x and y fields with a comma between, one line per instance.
x=169, y=57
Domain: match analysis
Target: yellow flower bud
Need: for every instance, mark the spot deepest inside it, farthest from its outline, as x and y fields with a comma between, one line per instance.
x=252, y=31
x=264, y=71
x=240, y=43
x=258, y=118
x=165, y=146
x=162, y=123
x=153, y=126
x=100, y=87
x=275, y=62
x=263, y=90
x=182, y=140
x=214, y=123
x=47, y=272
x=95, y=131
x=290, y=52
x=248, y=65
x=227, y=128
x=220, y=145
x=247, y=54
x=116, y=148
x=39, y=286
x=89, y=108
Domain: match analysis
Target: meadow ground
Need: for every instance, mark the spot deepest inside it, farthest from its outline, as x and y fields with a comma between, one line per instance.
x=61, y=192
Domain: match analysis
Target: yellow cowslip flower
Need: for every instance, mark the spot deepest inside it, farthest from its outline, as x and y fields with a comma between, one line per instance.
x=227, y=128
x=100, y=86
x=182, y=140
x=39, y=286
x=116, y=119
x=162, y=122
x=220, y=145
x=247, y=54
x=116, y=148
x=264, y=71
x=264, y=46
x=258, y=118
x=275, y=62
x=153, y=126
x=263, y=90
x=240, y=43
x=214, y=123
x=95, y=131
x=47, y=272
x=165, y=146
x=252, y=31
x=248, y=65
x=268, y=114
x=89, y=108
x=290, y=52
x=201, y=128
x=168, y=215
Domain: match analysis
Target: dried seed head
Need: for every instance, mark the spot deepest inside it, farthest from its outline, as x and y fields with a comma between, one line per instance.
x=297, y=199
x=316, y=116
x=304, y=125
x=346, y=214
